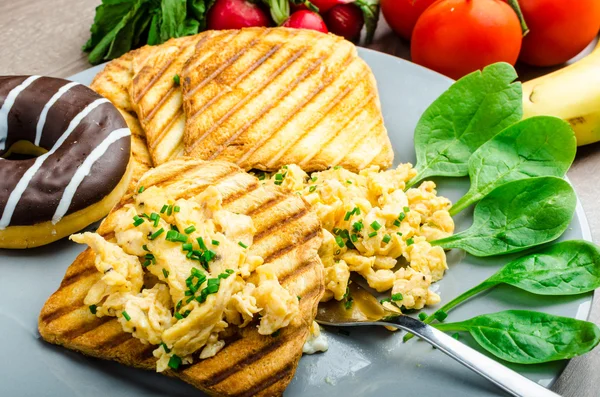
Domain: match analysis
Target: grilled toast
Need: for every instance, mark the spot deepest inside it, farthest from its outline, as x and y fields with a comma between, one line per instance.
x=261, y=98
x=270, y=97
x=113, y=83
x=288, y=237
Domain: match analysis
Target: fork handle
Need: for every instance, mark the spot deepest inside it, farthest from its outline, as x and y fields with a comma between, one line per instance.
x=503, y=377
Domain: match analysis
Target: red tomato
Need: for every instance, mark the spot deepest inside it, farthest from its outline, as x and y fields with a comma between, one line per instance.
x=558, y=29
x=456, y=37
x=345, y=20
x=305, y=19
x=235, y=14
x=402, y=15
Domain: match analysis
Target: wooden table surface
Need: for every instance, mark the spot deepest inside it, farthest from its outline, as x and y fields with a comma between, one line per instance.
x=45, y=37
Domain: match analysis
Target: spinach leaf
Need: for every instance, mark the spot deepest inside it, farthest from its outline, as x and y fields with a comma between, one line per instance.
x=527, y=337
x=516, y=216
x=468, y=114
x=567, y=268
x=537, y=146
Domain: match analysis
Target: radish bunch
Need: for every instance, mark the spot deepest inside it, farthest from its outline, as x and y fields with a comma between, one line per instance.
x=342, y=17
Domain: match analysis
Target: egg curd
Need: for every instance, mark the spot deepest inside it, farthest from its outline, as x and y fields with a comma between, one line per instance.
x=369, y=222
x=179, y=273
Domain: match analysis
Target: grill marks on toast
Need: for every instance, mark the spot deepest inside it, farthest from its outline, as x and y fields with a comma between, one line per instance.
x=272, y=91
x=288, y=233
x=113, y=83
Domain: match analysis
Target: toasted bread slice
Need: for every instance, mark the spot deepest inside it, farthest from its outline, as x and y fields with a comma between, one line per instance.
x=113, y=84
x=156, y=96
x=263, y=98
x=288, y=237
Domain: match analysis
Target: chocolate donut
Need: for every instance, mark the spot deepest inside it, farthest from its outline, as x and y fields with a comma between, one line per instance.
x=87, y=148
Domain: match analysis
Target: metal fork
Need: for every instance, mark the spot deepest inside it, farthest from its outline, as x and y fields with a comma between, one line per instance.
x=367, y=311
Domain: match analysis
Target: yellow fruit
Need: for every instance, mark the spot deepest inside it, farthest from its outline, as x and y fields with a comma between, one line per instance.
x=571, y=93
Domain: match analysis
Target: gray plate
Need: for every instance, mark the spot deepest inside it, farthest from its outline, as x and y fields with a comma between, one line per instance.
x=366, y=363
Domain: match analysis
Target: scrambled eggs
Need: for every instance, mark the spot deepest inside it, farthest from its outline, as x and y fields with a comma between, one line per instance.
x=176, y=275
x=369, y=222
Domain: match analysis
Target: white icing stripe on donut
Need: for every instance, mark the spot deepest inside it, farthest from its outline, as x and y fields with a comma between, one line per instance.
x=47, y=106
x=16, y=194
x=84, y=170
x=7, y=105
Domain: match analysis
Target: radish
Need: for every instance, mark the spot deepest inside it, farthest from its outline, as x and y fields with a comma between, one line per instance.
x=345, y=20
x=235, y=14
x=305, y=19
x=322, y=5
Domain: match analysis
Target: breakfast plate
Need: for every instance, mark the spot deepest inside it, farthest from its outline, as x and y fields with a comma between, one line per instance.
x=363, y=362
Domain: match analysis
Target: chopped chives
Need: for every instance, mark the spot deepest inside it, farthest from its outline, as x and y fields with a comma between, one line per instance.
x=141, y=189
x=147, y=263
x=423, y=316
x=165, y=272
x=312, y=188
x=356, y=210
x=278, y=177
x=375, y=225
x=349, y=182
x=176, y=208
x=397, y=297
x=299, y=297
x=348, y=304
x=187, y=247
x=190, y=229
x=137, y=221
x=155, y=217
x=348, y=215
x=440, y=315
x=406, y=209
x=209, y=255
x=354, y=238
x=387, y=238
x=201, y=244
x=178, y=305
x=93, y=309
x=224, y=275
x=229, y=271
x=156, y=234
x=174, y=227
x=176, y=237
x=163, y=209
x=145, y=248
x=178, y=316
x=340, y=241
x=337, y=167
x=261, y=176
x=177, y=81
x=165, y=347
x=372, y=234
x=401, y=216
x=242, y=244
x=124, y=313
x=189, y=254
x=382, y=301
x=169, y=210
x=357, y=226
x=397, y=223
x=399, y=234
x=314, y=179
x=174, y=362
x=410, y=241
x=215, y=242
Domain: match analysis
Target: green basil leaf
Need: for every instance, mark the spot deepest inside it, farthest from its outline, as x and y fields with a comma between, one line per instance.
x=468, y=114
x=124, y=39
x=537, y=146
x=566, y=268
x=154, y=32
x=108, y=15
x=173, y=16
x=516, y=216
x=527, y=337
x=107, y=44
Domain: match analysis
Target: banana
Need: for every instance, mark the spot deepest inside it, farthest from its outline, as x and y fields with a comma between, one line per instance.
x=571, y=93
